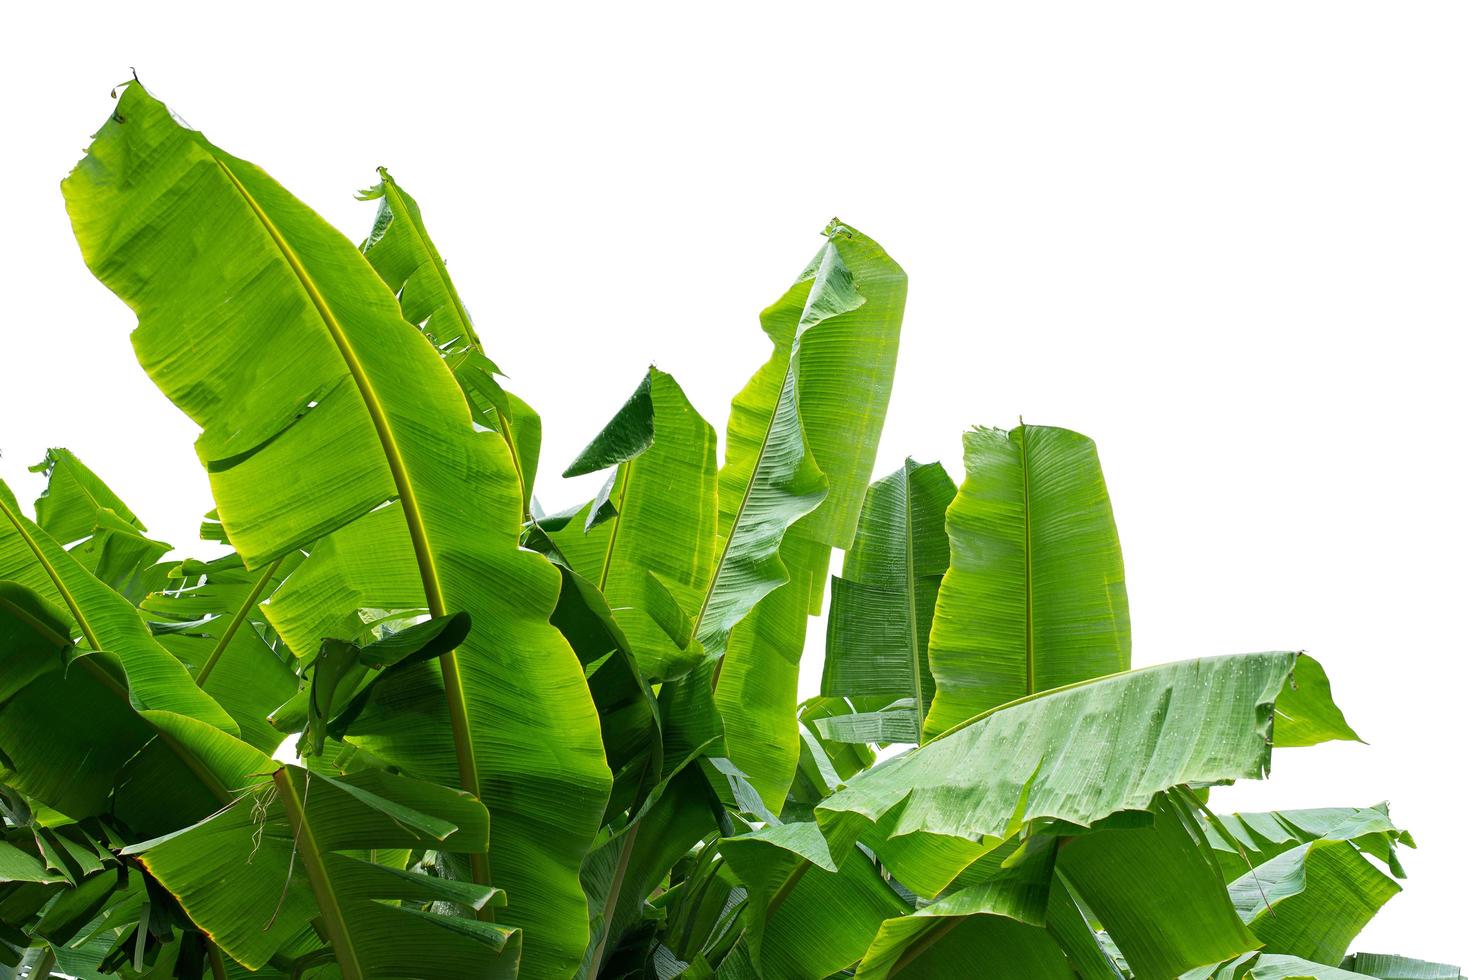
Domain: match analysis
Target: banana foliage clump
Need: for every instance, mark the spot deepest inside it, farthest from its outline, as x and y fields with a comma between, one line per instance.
x=568, y=745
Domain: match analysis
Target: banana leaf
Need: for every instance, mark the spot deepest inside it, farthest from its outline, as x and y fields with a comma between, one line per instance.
x=305, y=838
x=319, y=405
x=103, y=619
x=403, y=254
x=1085, y=752
x=1035, y=597
x=882, y=604
x=654, y=555
x=1262, y=836
x=801, y=445
x=208, y=615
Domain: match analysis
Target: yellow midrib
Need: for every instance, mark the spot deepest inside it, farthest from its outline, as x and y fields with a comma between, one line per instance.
x=427, y=567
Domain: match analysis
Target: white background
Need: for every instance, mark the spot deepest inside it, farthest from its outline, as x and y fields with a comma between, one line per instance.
x=1227, y=241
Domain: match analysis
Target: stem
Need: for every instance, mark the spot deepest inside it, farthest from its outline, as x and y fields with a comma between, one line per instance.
x=313, y=860
x=609, y=908
x=216, y=960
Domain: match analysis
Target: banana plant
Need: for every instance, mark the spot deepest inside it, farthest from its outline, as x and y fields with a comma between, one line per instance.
x=410, y=725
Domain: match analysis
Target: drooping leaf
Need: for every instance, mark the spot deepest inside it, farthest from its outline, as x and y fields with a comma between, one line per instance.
x=1035, y=597
x=108, y=755
x=882, y=605
x=319, y=404
x=808, y=917
x=1312, y=900
x=1262, y=836
x=996, y=923
x=1072, y=755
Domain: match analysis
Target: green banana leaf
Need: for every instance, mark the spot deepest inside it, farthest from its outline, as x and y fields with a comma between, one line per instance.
x=101, y=532
x=654, y=556
x=407, y=260
x=882, y=605
x=998, y=923
x=801, y=445
x=73, y=496
x=304, y=837
x=808, y=916
x=1070, y=755
x=1035, y=596
x=1312, y=900
x=103, y=619
x=74, y=768
x=319, y=404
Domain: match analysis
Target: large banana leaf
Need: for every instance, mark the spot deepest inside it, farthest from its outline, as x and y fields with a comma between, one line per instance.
x=882, y=605
x=319, y=404
x=1093, y=749
x=1034, y=597
x=654, y=555
x=305, y=839
x=807, y=422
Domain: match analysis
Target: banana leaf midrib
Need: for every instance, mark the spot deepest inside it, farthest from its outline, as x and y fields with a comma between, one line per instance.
x=606, y=562
x=241, y=615
x=1024, y=469
x=427, y=567
x=912, y=626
